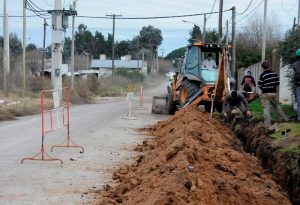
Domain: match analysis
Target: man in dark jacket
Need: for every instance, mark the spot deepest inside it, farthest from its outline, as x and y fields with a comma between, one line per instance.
x=268, y=82
x=235, y=99
x=296, y=67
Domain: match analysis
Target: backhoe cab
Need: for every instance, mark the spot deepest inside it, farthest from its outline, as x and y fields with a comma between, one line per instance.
x=199, y=84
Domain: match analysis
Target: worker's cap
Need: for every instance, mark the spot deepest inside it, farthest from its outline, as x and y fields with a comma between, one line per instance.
x=249, y=72
x=298, y=52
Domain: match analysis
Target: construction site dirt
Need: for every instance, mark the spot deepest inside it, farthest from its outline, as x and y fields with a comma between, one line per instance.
x=189, y=159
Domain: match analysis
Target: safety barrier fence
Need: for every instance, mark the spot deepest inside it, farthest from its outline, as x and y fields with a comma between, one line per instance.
x=62, y=114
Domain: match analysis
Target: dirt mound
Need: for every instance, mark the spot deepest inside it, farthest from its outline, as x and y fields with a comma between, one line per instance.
x=192, y=160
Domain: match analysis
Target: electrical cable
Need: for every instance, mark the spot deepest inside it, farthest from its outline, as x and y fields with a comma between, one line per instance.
x=212, y=9
x=250, y=12
x=246, y=8
x=152, y=17
x=37, y=8
x=33, y=8
x=123, y=18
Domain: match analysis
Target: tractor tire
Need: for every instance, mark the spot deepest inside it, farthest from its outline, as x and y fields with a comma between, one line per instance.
x=187, y=90
x=171, y=105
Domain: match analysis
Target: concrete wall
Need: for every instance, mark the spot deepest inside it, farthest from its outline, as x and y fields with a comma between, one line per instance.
x=285, y=92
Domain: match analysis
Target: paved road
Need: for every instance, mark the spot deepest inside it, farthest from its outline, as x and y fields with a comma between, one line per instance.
x=106, y=137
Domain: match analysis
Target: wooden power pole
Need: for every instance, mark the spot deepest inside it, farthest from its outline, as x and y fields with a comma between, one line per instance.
x=233, y=55
x=264, y=36
x=24, y=50
x=113, y=44
x=220, y=22
x=6, y=61
x=73, y=47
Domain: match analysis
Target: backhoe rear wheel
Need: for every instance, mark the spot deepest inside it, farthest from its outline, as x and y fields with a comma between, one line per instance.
x=171, y=105
x=187, y=90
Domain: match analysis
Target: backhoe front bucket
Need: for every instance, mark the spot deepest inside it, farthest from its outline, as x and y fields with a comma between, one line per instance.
x=159, y=105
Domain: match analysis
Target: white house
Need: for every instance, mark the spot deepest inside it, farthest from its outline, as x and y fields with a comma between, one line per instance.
x=105, y=66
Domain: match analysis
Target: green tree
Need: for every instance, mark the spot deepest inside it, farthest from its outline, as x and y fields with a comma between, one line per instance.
x=84, y=40
x=195, y=34
x=177, y=53
x=15, y=43
x=289, y=45
x=67, y=49
x=108, y=45
x=246, y=56
x=122, y=48
x=211, y=36
x=150, y=38
x=31, y=47
x=100, y=44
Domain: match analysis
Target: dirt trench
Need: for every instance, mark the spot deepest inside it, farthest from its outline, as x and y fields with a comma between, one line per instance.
x=189, y=159
x=285, y=167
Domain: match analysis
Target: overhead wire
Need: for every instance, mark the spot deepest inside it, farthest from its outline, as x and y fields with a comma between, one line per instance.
x=152, y=17
x=250, y=12
x=31, y=6
x=212, y=9
x=42, y=13
x=245, y=9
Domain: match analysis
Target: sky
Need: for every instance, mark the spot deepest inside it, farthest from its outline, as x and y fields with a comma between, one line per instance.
x=175, y=32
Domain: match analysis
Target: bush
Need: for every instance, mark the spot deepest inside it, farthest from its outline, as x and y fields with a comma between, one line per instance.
x=135, y=76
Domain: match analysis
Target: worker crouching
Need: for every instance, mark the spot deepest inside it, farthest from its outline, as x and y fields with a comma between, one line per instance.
x=235, y=99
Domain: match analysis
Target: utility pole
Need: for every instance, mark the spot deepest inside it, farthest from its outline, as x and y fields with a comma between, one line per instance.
x=204, y=28
x=157, y=65
x=24, y=49
x=233, y=57
x=299, y=13
x=264, y=36
x=73, y=47
x=143, y=58
x=57, y=41
x=44, y=51
x=113, y=44
x=162, y=52
x=227, y=37
x=220, y=22
x=138, y=52
x=6, y=61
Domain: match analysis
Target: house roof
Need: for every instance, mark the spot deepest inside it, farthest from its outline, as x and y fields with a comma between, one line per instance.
x=118, y=63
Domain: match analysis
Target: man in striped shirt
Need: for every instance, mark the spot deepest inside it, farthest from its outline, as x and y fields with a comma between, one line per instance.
x=268, y=82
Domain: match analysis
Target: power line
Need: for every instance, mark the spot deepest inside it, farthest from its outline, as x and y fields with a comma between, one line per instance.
x=128, y=18
x=151, y=17
x=246, y=8
x=31, y=6
x=212, y=9
x=251, y=11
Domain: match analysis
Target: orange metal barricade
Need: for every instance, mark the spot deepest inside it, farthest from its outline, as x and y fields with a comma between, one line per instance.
x=141, y=100
x=65, y=108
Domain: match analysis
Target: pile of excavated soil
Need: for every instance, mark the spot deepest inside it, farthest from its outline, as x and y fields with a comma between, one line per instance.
x=192, y=160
